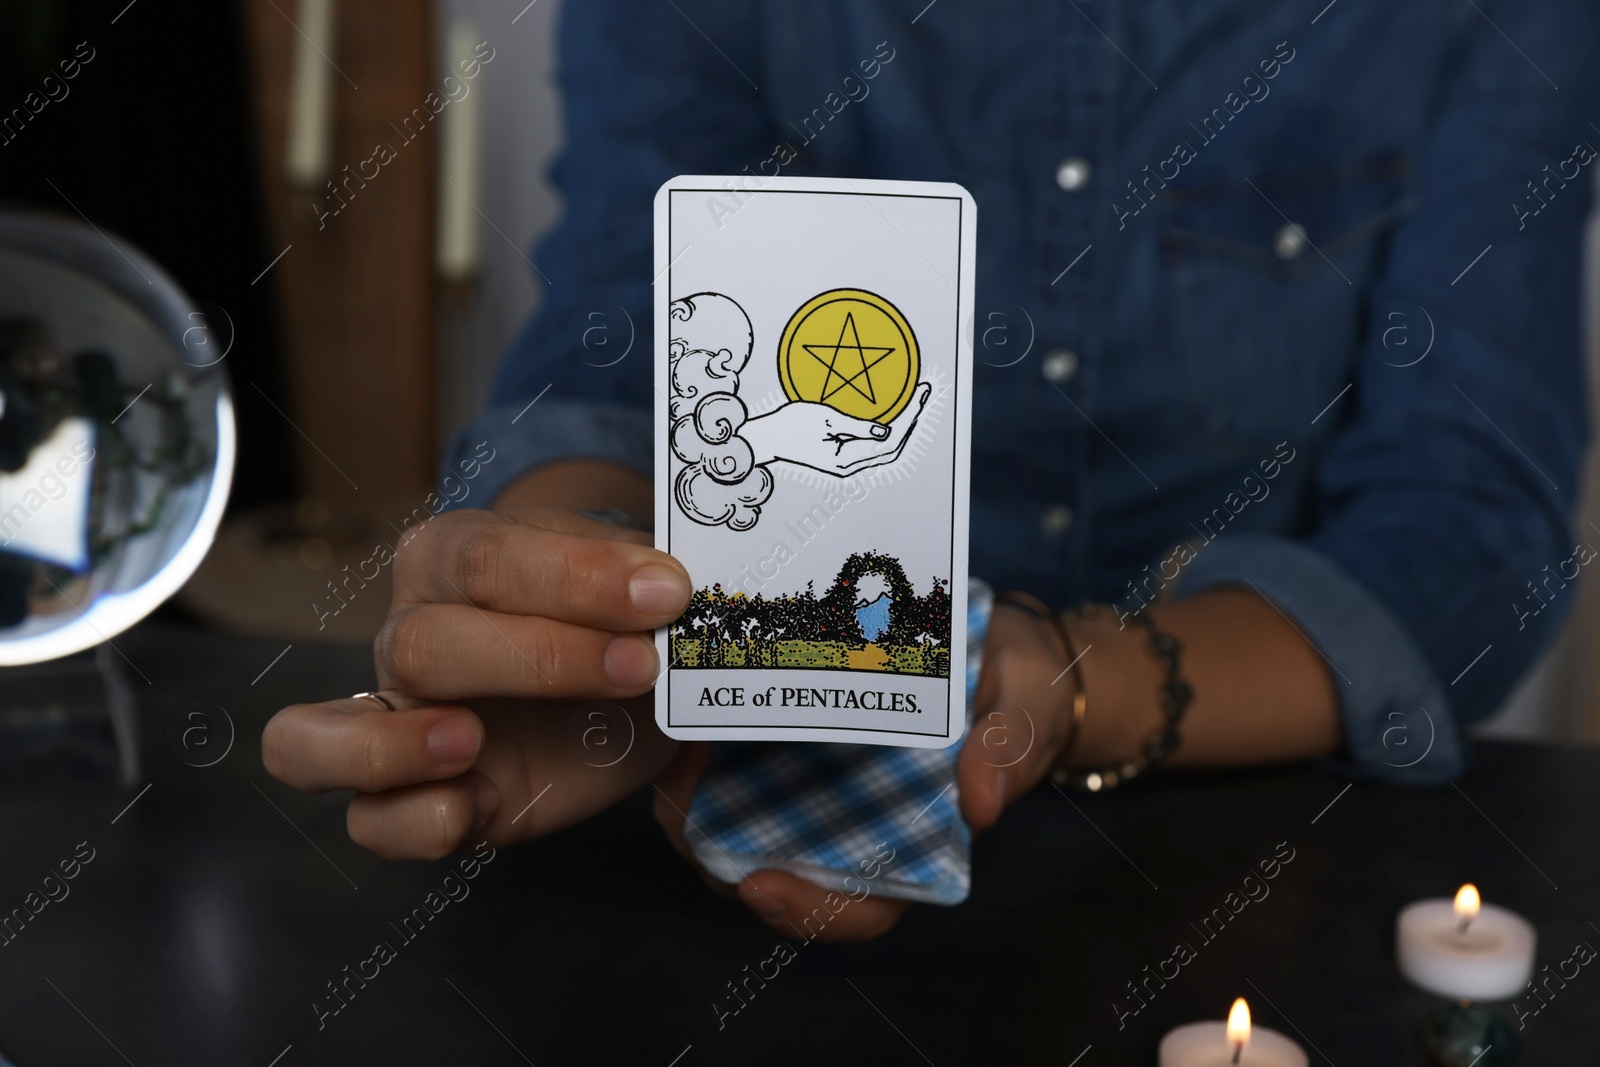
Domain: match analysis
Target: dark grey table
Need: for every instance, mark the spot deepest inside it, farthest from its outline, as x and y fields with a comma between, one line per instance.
x=218, y=906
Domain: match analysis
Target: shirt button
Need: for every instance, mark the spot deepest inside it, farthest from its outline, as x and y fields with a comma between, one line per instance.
x=1073, y=173
x=1059, y=365
x=1057, y=520
x=1289, y=241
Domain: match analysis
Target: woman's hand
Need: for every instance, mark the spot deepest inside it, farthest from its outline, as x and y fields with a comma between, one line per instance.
x=1262, y=695
x=433, y=778
x=817, y=436
x=1022, y=716
x=507, y=635
x=1022, y=721
x=779, y=899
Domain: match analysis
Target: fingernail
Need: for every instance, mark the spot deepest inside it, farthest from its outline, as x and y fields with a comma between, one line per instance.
x=765, y=905
x=631, y=661
x=658, y=590
x=453, y=740
x=880, y=432
x=486, y=798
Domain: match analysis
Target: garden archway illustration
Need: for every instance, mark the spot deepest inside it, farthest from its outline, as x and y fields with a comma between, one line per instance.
x=733, y=629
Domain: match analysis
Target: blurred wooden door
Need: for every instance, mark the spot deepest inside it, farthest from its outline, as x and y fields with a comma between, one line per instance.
x=355, y=282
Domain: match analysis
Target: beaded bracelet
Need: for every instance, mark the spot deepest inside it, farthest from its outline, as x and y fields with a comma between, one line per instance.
x=1176, y=696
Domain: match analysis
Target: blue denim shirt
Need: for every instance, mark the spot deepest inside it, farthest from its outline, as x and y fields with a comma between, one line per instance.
x=1267, y=297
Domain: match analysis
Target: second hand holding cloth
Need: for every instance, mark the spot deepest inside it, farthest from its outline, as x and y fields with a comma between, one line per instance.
x=844, y=816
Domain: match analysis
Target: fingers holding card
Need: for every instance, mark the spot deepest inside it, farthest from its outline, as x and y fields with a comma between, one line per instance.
x=812, y=364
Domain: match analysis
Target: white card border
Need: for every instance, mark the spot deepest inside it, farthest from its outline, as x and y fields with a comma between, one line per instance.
x=961, y=491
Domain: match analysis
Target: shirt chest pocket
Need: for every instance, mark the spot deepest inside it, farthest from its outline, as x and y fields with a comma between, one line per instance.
x=1270, y=281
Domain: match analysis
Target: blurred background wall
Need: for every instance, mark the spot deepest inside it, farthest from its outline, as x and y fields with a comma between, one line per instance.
x=522, y=104
x=1561, y=697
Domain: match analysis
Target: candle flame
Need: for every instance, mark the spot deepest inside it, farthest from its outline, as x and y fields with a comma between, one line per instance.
x=1467, y=902
x=1239, y=1024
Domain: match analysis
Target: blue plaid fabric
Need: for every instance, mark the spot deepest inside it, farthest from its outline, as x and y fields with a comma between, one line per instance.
x=822, y=811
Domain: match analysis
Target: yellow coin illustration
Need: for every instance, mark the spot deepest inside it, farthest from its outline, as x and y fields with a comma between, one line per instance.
x=852, y=350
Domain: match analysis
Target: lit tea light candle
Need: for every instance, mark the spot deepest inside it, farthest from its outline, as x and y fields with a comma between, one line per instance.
x=1231, y=1044
x=1465, y=948
x=1238, y=1027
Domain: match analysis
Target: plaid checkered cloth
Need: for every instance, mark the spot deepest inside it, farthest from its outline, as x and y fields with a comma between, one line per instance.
x=830, y=812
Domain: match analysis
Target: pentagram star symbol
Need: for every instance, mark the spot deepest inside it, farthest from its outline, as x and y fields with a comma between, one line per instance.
x=828, y=356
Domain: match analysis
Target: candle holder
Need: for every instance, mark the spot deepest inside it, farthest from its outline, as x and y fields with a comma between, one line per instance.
x=1466, y=1035
x=1466, y=949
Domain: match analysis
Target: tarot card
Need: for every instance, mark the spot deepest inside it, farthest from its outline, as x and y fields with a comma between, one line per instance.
x=813, y=347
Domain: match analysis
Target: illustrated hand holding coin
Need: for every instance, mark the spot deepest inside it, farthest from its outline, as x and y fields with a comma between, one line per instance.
x=849, y=364
x=848, y=361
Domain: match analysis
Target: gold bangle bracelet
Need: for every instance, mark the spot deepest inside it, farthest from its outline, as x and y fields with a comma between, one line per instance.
x=1080, y=699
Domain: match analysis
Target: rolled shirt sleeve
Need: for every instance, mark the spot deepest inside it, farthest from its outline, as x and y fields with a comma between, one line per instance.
x=526, y=436
x=1397, y=721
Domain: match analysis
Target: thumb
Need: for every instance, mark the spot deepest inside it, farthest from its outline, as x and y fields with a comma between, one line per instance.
x=1007, y=752
x=982, y=765
x=1011, y=749
x=990, y=764
x=877, y=431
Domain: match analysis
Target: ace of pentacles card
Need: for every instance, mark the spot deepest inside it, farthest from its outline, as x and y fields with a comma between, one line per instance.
x=812, y=356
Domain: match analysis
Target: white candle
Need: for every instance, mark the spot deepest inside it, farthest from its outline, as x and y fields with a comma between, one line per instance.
x=309, y=140
x=1217, y=1044
x=458, y=250
x=1464, y=948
